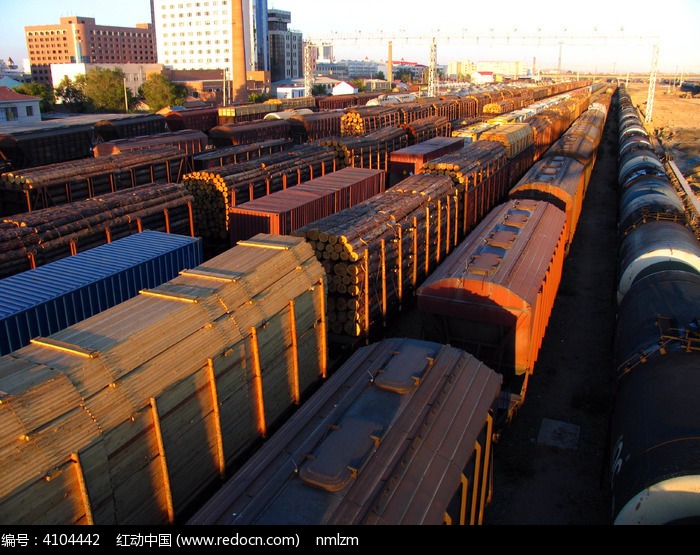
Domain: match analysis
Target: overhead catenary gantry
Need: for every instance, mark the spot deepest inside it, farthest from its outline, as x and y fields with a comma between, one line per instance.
x=491, y=38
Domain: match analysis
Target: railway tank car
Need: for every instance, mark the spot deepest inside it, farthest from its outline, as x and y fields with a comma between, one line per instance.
x=399, y=434
x=654, y=465
x=654, y=468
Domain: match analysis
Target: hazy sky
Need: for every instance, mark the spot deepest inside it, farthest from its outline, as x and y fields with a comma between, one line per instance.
x=597, y=35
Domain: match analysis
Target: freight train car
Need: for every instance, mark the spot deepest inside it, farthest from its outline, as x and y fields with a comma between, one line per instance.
x=410, y=159
x=31, y=239
x=45, y=300
x=199, y=119
x=493, y=295
x=190, y=141
x=49, y=142
x=401, y=433
x=227, y=134
x=126, y=126
x=42, y=187
x=654, y=470
x=284, y=211
x=133, y=414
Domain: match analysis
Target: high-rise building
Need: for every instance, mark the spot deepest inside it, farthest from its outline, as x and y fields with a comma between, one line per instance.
x=223, y=35
x=286, y=47
x=81, y=40
x=259, y=36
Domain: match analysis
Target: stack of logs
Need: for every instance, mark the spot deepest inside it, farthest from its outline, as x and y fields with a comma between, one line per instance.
x=368, y=151
x=377, y=252
x=479, y=172
x=426, y=128
x=35, y=238
x=218, y=189
x=53, y=184
x=363, y=119
x=238, y=153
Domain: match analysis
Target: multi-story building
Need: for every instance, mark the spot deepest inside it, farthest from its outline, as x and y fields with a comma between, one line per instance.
x=503, y=68
x=286, y=47
x=225, y=35
x=80, y=40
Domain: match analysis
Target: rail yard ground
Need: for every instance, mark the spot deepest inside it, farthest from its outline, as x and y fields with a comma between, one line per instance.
x=551, y=460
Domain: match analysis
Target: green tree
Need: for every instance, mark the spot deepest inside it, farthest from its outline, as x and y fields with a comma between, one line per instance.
x=318, y=90
x=358, y=84
x=158, y=92
x=44, y=92
x=105, y=90
x=72, y=93
x=380, y=75
x=258, y=97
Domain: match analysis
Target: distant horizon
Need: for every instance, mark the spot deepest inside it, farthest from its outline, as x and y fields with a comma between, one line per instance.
x=605, y=38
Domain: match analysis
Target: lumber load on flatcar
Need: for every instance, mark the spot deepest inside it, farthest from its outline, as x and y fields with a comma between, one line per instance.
x=371, y=150
x=376, y=252
x=132, y=415
x=218, y=189
x=31, y=239
x=45, y=186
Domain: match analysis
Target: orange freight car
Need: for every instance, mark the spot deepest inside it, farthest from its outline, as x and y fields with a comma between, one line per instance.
x=493, y=295
x=559, y=180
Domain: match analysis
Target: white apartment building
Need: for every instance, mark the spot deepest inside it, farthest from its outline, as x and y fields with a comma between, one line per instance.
x=226, y=35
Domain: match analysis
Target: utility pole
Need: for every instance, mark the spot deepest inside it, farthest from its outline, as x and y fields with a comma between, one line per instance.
x=126, y=98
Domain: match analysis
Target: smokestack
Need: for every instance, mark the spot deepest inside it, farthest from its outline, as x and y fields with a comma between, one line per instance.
x=390, y=69
x=240, y=85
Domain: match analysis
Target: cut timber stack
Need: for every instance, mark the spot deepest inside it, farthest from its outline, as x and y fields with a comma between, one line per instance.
x=32, y=239
x=376, y=252
x=130, y=416
x=44, y=186
x=190, y=141
x=480, y=173
x=217, y=190
x=426, y=128
x=371, y=150
x=363, y=119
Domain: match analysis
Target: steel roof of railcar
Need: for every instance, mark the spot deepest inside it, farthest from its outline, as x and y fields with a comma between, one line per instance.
x=503, y=261
x=32, y=287
x=376, y=404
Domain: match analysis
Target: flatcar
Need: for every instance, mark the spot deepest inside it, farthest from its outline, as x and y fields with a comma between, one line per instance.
x=400, y=434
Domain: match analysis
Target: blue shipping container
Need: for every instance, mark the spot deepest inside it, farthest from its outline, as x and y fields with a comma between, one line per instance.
x=49, y=298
